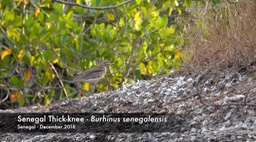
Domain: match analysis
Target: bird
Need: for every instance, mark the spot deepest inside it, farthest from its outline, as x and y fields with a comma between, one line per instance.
x=93, y=75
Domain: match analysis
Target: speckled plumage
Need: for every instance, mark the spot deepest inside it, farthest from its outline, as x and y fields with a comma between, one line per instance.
x=93, y=75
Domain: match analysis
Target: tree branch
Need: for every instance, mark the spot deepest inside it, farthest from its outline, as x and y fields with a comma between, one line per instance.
x=61, y=82
x=94, y=8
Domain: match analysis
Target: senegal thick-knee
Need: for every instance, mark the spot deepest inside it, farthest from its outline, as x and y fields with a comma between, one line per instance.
x=93, y=75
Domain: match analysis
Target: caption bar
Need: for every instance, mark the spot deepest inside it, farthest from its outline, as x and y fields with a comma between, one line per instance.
x=86, y=122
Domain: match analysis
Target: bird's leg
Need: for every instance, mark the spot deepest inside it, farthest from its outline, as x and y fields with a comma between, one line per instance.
x=94, y=87
x=79, y=92
x=83, y=91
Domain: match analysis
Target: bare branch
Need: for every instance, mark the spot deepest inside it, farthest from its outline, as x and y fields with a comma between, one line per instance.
x=61, y=82
x=233, y=1
x=94, y=8
x=6, y=97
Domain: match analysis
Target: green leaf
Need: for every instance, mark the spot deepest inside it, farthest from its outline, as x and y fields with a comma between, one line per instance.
x=47, y=100
x=69, y=16
x=49, y=74
x=156, y=66
x=143, y=69
x=137, y=74
x=58, y=7
x=52, y=93
x=215, y=2
x=21, y=99
x=13, y=33
x=162, y=22
x=71, y=53
x=166, y=4
x=41, y=17
x=106, y=35
x=170, y=30
x=96, y=2
x=8, y=15
x=121, y=22
x=36, y=30
x=44, y=80
x=138, y=2
x=138, y=20
x=15, y=81
x=64, y=39
x=150, y=68
x=188, y=3
x=5, y=62
x=49, y=55
x=27, y=57
x=35, y=3
x=18, y=20
x=160, y=58
x=45, y=2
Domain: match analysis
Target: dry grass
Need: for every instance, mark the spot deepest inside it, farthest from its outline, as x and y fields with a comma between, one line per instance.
x=225, y=39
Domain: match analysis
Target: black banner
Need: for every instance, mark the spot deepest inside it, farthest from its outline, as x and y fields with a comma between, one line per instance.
x=88, y=122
